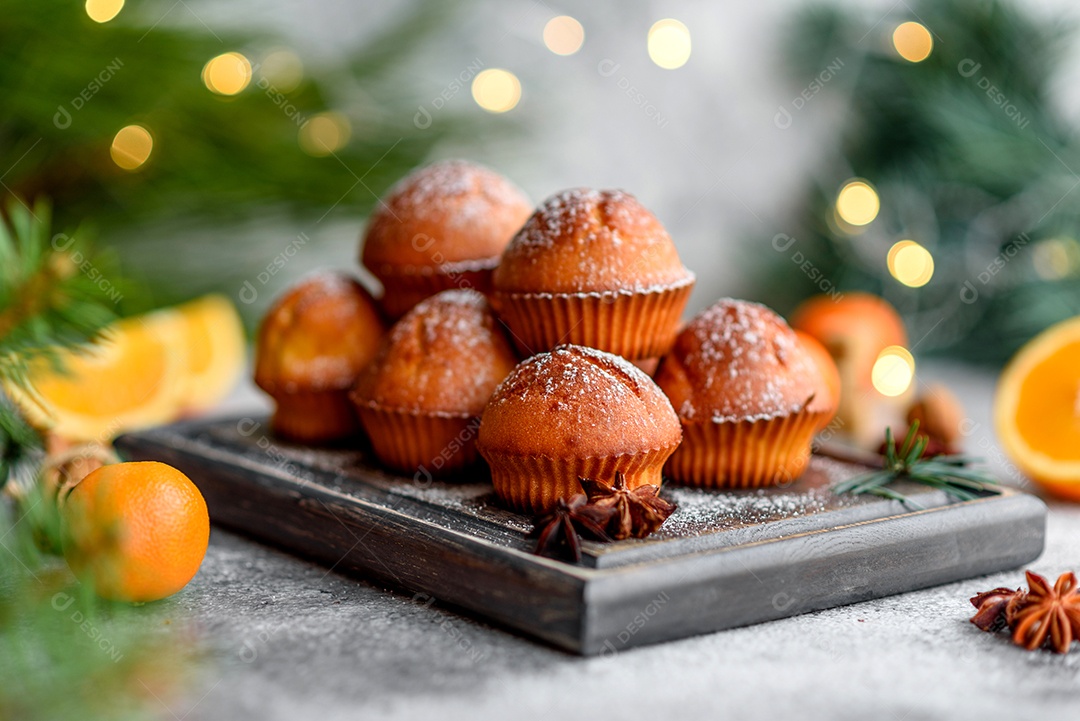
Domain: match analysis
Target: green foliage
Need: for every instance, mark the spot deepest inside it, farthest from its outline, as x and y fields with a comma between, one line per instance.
x=950, y=474
x=64, y=653
x=54, y=293
x=971, y=158
x=69, y=84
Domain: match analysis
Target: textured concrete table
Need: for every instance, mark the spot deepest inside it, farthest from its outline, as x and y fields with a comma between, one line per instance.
x=286, y=639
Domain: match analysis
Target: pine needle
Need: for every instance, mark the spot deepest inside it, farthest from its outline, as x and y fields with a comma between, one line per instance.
x=945, y=473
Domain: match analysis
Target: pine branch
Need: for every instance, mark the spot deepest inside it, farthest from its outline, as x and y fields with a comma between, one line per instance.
x=946, y=473
x=48, y=302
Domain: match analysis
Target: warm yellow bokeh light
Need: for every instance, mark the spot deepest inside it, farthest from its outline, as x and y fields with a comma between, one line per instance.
x=910, y=263
x=227, y=74
x=324, y=134
x=1056, y=258
x=496, y=90
x=893, y=371
x=102, y=11
x=857, y=203
x=913, y=41
x=563, y=35
x=131, y=147
x=283, y=69
x=669, y=43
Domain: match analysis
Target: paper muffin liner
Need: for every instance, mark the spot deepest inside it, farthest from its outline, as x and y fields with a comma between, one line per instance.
x=532, y=484
x=631, y=324
x=744, y=454
x=404, y=289
x=413, y=441
x=315, y=416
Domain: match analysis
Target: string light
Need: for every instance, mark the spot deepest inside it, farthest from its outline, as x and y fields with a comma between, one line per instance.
x=893, y=371
x=227, y=74
x=911, y=263
x=324, y=134
x=913, y=41
x=283, y=69
x=563, y=35
x=669, y=43
x=102, y=11
x=1056, y=258
x=496, y=90
x=857, y=203
x=131, y=147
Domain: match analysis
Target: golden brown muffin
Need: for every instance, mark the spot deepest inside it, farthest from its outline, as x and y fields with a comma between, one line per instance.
x=573, y=413
x=593, y=268
x=420, y=399
x=749, y=396
x=311, y=346
x=443, y=226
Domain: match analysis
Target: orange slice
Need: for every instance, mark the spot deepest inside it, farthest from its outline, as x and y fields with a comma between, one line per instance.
x=1037, y=409
x=214, y=340
x=127, y=380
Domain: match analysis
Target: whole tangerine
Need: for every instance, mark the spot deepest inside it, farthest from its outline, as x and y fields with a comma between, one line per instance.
x=138, y=531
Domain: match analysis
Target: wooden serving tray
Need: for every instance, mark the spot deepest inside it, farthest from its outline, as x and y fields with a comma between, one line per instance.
x=724, y=559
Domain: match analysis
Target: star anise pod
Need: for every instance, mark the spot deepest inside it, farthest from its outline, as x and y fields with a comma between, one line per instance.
x=634, y=513
x=992, y=607
x=1048, y=615
x=557, y=532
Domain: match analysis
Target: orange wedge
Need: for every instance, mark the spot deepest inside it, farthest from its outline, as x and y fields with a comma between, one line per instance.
x=214, y=340
x=1037, y=409
x=127, y=380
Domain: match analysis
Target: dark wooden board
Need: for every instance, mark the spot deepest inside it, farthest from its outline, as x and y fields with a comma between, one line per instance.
x=724, y=559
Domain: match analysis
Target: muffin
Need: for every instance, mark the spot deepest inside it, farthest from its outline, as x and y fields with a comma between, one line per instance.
x=592, y=268
x=573, y=413
x=420, y=398
x=310, y=349
x=749, y=396
x=443, y=226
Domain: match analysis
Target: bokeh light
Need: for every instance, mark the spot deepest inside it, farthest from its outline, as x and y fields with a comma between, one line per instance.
x=324, y=134
x=669, y=43
x=227, y=74
x=102, y=11
x=496, y=90
x=131, y=147
x=283, y=69
x=913, y=41
x=911, y=263
x=1056, y=258
x=893, y=371
x=857, y=203
x=563, y=35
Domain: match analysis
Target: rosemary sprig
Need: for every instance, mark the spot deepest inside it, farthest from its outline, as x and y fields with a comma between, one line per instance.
x=950, y=474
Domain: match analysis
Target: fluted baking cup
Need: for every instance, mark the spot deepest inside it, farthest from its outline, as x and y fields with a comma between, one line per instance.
x=744, y=453
x=315, y=416
x=633, y=324
x=533, y=483
x=415, y=441
x=404, y=288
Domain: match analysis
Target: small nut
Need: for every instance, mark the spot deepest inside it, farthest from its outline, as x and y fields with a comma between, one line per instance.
x=939, y=413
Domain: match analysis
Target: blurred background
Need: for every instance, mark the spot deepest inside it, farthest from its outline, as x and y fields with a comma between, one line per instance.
x=921, y=150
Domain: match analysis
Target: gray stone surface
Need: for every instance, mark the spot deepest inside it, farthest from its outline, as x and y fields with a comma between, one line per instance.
x=286, y=639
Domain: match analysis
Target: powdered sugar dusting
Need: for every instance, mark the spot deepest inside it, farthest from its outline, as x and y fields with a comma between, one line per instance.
x=457, y=192
x=743, y=361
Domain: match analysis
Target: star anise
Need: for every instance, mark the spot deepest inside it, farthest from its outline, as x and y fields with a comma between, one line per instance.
x=1045, y=615
x=557, y=532
x=634, y=513
x=992, y=607
x=1049, y=614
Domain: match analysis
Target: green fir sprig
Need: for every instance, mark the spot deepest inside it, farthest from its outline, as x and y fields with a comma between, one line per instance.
x=55, y=293
x=948, y=473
